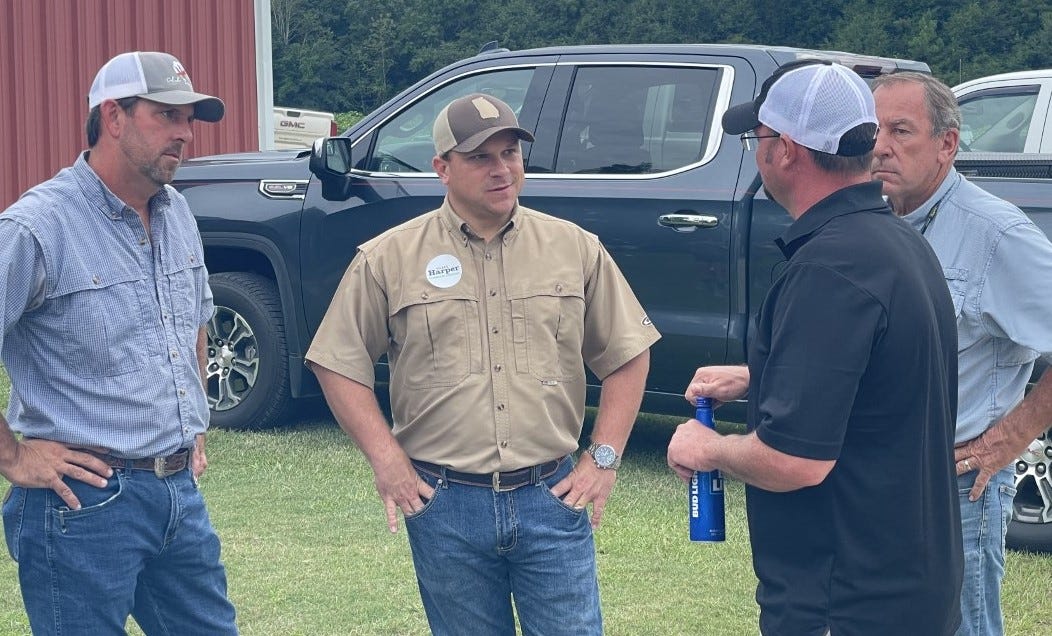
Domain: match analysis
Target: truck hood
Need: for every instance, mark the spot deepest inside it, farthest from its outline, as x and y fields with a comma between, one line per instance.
x=273, y=164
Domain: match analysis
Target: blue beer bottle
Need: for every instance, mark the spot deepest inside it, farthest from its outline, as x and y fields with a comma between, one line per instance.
x=705, y=495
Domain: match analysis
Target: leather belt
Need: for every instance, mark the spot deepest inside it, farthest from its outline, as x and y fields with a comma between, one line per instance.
x=161, y=466
x=498, y=481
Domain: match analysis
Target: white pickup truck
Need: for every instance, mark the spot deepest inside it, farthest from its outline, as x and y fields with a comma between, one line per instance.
x=1007, y=112
x=298, y=128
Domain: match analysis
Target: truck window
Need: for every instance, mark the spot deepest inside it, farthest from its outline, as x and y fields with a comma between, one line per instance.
x=997, y=120
x=404, y=143
x=636, y=119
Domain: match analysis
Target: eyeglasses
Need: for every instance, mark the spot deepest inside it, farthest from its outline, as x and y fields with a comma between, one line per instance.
x=751, y=142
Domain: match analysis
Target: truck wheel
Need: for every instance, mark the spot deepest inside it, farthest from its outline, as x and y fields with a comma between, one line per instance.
x=1031, y=527
x=248, y=376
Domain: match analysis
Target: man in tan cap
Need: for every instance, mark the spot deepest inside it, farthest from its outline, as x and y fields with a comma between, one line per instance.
x=487, y=353
x=103, y=300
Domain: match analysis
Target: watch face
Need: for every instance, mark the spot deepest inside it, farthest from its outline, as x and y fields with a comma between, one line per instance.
x=604, y=455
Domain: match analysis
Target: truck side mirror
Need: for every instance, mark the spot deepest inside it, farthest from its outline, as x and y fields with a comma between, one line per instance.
x=331, y=161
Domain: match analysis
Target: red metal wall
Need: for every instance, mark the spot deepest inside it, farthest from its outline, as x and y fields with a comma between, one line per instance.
x=50, y=51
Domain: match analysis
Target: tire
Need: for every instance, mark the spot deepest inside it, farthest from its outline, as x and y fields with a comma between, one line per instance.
x=1031, y=527
x=248, y=374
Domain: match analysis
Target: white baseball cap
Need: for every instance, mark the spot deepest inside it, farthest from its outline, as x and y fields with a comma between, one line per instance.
x=814, y=102
x=158, y=77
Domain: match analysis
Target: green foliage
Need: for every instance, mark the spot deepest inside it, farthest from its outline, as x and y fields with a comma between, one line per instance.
x=348, y=119
x=344, y=55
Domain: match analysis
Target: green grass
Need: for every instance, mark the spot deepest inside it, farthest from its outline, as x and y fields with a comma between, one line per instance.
x=308, y=552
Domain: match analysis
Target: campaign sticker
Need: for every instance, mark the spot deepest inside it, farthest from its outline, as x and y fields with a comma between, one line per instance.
x=444, y=271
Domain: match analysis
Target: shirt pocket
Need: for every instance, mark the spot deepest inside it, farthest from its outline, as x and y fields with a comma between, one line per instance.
x=436, y=337
x=184, y=301
x=547, y=324
x=105, y=325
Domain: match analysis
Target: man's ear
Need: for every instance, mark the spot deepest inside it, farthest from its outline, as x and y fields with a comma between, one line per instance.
x=111, y=117
x=441, y=167
x=951, y=139
x=787, y=150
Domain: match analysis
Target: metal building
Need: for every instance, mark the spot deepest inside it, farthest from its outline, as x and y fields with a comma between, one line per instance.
x=50, y=51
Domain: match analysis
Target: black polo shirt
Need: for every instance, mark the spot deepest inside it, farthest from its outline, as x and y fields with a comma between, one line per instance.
x=854, y=359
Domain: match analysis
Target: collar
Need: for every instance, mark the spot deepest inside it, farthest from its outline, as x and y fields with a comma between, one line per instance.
x=100, y=195
x=862, y=197
x=459, y=229
x=949, y=182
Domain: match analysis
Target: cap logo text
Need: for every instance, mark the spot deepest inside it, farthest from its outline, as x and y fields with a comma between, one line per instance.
x=180, y=77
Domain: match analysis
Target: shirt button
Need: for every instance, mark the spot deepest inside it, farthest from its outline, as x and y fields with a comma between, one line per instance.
x=424, y=296
x=142, y=241
x=504, y=444
x=496, y=330
x=493, y=292
x=500, y=407
x=175, y=355
x=559, y=288
x=497, y=368
x=182, y=392
x=489, y=257
x=95, y=279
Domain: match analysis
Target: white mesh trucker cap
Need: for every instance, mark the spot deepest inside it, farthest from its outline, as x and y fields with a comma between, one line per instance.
x=158, y=77
x=815, y=103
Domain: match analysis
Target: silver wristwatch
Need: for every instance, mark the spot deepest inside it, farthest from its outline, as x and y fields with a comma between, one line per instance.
x=605, y=456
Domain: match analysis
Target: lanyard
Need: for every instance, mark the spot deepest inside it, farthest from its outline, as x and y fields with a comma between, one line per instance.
x=934, y=211
x=931, y=214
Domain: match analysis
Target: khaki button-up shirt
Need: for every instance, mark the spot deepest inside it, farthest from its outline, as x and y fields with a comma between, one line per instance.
x=487, y=342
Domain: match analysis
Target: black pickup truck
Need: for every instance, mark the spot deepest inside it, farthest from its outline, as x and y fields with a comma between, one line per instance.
x=628, y=145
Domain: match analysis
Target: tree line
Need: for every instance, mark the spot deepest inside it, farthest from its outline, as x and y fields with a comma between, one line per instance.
x=352, y=55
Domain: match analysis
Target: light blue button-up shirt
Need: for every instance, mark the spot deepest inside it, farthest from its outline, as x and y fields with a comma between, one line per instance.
x=998, y=266
x=100, y=321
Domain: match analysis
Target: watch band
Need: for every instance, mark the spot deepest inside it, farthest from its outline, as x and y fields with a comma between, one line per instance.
x=613, y=464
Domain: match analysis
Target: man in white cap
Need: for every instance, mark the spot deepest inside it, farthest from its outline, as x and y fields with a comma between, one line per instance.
x=851, y=382
x=103, y=300
x=487, y=350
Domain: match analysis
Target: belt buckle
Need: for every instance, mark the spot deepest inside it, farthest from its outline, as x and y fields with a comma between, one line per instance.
x=160, y=467
x=496, y=481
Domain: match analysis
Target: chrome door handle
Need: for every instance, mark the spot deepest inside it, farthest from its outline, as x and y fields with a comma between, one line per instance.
x=684, y=221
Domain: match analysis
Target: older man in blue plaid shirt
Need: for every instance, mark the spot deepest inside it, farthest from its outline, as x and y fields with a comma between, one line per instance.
x=104, y=296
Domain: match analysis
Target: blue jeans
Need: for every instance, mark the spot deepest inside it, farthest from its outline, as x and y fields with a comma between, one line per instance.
x=475, y=550
x=984, y=524
x=141, y=546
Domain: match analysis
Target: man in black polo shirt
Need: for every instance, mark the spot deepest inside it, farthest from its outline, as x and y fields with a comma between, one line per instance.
x=851, y=380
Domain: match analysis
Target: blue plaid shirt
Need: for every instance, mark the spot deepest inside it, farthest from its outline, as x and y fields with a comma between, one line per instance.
x=997, y=265
x=100, y=322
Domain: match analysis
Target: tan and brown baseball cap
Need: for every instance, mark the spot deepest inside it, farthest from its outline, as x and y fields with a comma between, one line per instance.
x=467, y=122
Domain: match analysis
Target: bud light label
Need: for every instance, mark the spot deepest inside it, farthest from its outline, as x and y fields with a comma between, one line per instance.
x=705, y=494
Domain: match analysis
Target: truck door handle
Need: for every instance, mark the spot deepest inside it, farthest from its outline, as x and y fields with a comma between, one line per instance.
x=687, y=221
